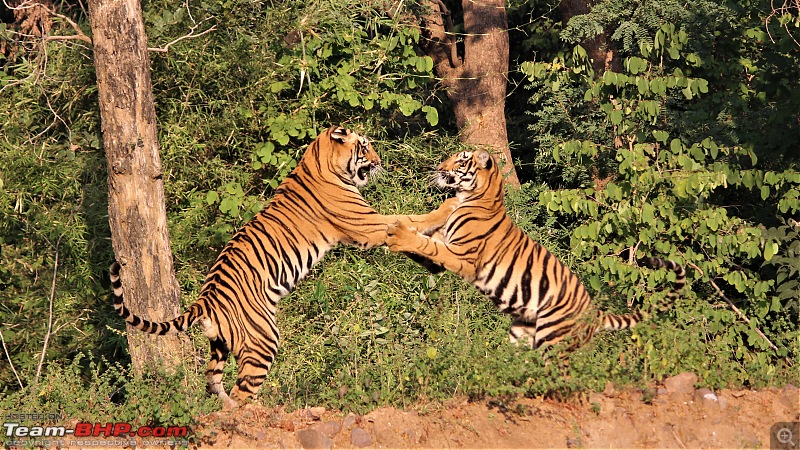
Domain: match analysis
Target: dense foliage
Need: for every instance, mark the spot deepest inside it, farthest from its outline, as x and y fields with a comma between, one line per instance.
x=687, y=152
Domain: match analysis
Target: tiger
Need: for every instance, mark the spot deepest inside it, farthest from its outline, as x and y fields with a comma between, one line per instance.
x=317, y=206
x=479, y=242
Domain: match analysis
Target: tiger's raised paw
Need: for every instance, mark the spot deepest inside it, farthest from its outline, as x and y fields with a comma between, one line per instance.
x=399, y=235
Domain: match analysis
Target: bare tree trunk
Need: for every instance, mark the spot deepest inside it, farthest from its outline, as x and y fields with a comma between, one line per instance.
x=475, y=81
x=136, y=209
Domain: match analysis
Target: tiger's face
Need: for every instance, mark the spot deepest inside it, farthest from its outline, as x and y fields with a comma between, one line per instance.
x=355, y=156
x=466, y=171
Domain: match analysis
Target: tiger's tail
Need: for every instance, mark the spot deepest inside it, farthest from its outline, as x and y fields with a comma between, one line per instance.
x=174, y=326
x=622, y=321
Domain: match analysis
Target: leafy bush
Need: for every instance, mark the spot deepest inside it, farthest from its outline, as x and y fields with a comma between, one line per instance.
x=651, y=190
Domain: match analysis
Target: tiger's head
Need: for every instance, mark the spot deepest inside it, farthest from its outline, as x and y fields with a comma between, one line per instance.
x=465, y=172
x=354, y=160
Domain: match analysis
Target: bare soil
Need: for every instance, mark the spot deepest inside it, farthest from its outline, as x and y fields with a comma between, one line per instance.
x=678, y=417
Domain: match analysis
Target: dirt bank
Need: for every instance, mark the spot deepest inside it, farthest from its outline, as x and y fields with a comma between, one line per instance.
x=673, y=415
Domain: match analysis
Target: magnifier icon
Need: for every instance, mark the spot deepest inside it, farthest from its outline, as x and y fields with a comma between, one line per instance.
x=784, y=436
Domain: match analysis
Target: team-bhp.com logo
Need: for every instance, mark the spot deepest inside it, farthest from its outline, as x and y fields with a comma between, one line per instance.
x=37, y=435
x=86, y=429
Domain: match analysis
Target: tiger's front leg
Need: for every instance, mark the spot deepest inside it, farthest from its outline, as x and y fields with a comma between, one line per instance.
x=427, y=224
x=403, y=237
x=374, y=233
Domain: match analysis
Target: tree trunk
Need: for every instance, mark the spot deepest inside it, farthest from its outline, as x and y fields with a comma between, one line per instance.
x=475, y=81
x=136, y=208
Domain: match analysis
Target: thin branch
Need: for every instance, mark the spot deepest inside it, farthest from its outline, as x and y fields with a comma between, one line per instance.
x=733, y=307
x=191, y=35
x=74, y=37
x=79, y=36
x=10, y=363
x=50, y=316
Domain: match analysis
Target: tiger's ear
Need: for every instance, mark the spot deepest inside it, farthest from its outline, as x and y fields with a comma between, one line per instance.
x=485, y=159
x=340, y=134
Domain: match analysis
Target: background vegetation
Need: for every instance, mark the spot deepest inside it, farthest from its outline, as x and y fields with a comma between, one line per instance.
x=688, y=152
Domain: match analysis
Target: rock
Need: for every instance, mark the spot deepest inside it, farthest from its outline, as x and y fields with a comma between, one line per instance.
x=329, y=428
x=661, y=391
x=350, y=420
x=314, y=413
x=310, y=438
x=706, y=398
x=360, y=438
x=683, y=383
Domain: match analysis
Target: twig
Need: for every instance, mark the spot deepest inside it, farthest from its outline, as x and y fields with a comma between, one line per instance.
x=10, y=363
x=672, y=429
x=191, y=35
x=50, y=316
x=80, y=34
x=733, y=307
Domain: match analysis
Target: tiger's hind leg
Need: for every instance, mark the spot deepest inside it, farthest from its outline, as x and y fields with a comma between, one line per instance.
x=219, y=356
x=253, y=368
x=522, y=333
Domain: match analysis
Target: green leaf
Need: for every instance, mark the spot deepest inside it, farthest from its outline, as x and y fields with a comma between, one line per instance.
x=648, y=213
x=770, y=250
x=278, y=86
x=595, y=282
x=212, y=197
x=431, y=115
x=642, y=85
x=430, y=352
x=661, y=136
x=616, y=116
x=676, y=146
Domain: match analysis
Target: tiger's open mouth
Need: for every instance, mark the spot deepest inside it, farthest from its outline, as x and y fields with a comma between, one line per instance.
x=446, y=179
x=363, y=173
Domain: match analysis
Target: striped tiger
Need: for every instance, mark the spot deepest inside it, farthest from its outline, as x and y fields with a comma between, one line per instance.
x=316, y=207
x=480, y=243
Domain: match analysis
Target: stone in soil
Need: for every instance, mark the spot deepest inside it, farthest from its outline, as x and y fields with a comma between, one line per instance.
x=683, y=383
x=360, y=438
x=310, y=438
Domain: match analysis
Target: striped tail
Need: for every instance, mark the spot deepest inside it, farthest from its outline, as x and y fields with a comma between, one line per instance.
x=623, y=321
x=620, y=321
x=680, y=272
x=173, y=326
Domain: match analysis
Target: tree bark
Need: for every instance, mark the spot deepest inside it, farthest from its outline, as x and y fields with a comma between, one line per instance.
x=476, y=79
x=136, y=208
